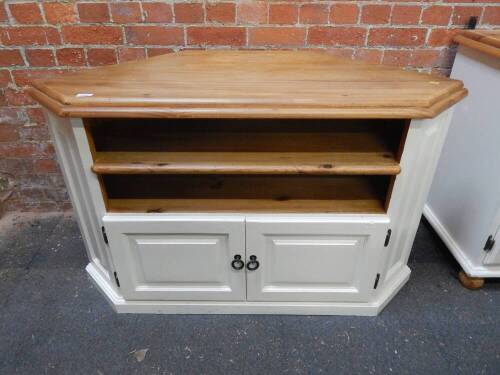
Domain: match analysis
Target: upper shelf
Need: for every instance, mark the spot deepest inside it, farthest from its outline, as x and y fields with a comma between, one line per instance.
x=318, y=163
x=248, y=84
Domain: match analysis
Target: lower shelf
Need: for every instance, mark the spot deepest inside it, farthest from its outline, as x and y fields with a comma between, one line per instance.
x=246, y=205
x=245, y=193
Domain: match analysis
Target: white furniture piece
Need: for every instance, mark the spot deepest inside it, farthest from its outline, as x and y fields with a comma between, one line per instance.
x=248, y=181
x=464, y=202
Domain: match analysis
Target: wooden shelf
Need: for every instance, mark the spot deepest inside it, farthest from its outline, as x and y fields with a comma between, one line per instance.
x=374, y=206
x=323, y=163
x=245, y=193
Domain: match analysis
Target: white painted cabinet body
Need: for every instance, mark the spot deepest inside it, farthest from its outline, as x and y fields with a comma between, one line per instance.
x=308, y=263
x=464, y=202
x=251, y=198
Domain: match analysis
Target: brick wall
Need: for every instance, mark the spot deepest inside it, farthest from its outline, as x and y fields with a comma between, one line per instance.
x=43, y=38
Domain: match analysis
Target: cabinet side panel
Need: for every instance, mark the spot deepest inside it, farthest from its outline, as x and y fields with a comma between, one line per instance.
x=72, y=169
x=418, y=163
x=465, y=194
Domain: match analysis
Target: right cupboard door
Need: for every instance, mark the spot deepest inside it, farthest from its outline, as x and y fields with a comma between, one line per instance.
x=313, y=260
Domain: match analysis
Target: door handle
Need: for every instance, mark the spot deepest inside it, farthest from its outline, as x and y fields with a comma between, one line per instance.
x=253, y=264
x=237, y=263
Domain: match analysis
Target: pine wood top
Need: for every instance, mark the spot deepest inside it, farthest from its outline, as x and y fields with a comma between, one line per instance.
x=487, y=41
x=248, y=84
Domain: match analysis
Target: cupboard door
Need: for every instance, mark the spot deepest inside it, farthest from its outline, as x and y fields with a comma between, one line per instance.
x=177, y=258
x=316, y=260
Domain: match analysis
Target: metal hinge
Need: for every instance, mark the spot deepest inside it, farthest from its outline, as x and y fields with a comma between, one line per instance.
x=471, y=23
x=376, y=281
x=490, y=242
x=387, y=237
x=116, y=279
x=104, y=236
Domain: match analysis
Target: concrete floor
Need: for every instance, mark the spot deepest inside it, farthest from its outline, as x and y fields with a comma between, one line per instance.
x=54, y=321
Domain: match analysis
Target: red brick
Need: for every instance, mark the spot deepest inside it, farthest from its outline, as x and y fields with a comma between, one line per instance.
x=10, y=57
x=213, y=36
x=221, y=12
x=24, y=150
x=441, y=37
x=313, y=14
x=36, y=116
x=3, y=13
x=152, y=52
x=26, y=13
x=126, y=12
x=333, y=36
x=461, y=14
x=188, y=12
x=93, y=12
x=17, y=98
x=23, y=77
x=92, y=34
x=129, y=54
x=252, y=12
x=101, y=56
x=397, y=37
x=406, y=14
x=283, y=14
x=40, y=57
x=277, y=36
x=470, y=1
x=11, y=116
x=45, y=166
x=425, y=58
x=5, y=79
x=8, y=133
x=159, y=35
x=491, y=16
x=53, y=35
x=373, y=56
x=344, y=13
x=71, y=56
x=396, y=58
x=58, y=13
x=3, y=98
x=34, y=133
x=437, y=15
x=345, y=53
x=29, y=35
x=158, y=12
x=375, y=14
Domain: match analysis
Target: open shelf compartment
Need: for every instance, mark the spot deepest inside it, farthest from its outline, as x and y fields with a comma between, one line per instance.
x=313, y=166
x=245, y=193
x=249, y=147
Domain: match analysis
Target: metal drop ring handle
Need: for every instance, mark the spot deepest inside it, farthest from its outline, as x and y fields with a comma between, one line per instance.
x=237, y=263
x=253, y=264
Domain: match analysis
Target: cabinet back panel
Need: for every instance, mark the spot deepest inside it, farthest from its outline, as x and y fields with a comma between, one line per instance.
x=246, y=135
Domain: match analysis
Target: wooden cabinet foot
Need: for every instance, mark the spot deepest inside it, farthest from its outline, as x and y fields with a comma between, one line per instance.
x=471, y=283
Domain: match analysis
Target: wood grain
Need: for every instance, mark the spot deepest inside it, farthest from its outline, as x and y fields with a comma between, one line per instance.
x=374, y=206
x=333, y=163
x=248, y=84
x=486, y=41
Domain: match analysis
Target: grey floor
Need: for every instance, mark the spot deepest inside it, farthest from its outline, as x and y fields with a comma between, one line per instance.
x=54, y=321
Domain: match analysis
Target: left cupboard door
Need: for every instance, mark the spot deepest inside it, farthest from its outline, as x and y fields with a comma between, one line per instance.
x=178, y=258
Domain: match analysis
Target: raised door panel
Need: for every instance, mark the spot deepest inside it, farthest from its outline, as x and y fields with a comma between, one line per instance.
x=178, y=258
x=319, y=260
